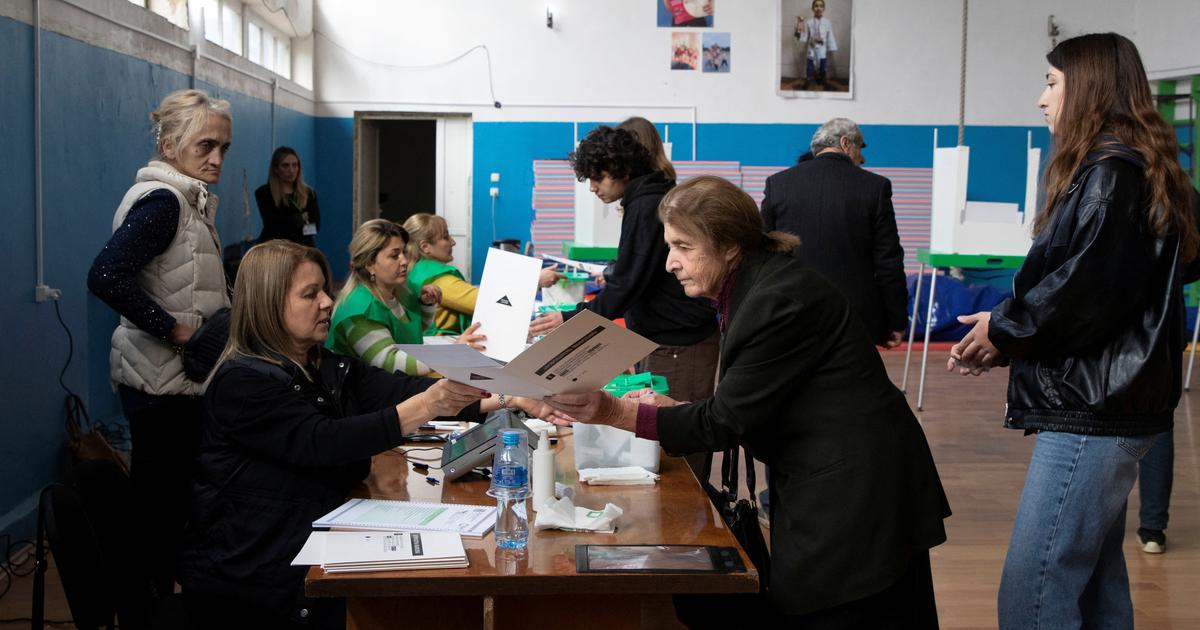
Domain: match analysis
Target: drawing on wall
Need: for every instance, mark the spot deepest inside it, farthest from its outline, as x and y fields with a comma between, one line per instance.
x=690, y=13
x=685, y=51
x=716, y=51
x=816, y=46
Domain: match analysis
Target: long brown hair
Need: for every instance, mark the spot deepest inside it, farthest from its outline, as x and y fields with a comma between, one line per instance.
x=1107, y=92
x=647, y=135
x=256, y=328
x=369, y=240
x=276, y=185
x=722, y=214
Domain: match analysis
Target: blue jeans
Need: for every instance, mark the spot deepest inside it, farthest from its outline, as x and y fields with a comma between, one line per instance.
x=1065, y=568
x=1155, y=475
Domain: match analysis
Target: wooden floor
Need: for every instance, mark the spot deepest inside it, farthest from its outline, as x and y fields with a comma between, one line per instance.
x=983, y=465
x=983, y=468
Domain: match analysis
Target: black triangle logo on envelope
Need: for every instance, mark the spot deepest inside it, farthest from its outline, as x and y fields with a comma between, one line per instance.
x=479, y=377
x=504, y=300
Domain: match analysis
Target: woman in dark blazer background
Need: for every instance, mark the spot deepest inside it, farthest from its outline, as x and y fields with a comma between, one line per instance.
x=288, y=206
x=856, y=502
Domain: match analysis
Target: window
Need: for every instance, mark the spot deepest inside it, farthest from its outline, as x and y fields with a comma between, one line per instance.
x=222, y=23
x=268, y=48
x=283, y=57
x=231, y=27
x=254, y=42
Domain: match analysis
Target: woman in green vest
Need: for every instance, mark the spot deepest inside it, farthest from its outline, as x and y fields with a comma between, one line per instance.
x=375, y=310
x=430, y=250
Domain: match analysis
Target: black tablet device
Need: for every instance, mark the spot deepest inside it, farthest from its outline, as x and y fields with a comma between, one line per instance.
x=475, y=447
x=657, y=559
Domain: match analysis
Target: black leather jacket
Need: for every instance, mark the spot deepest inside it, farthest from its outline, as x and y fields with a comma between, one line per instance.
x=278, y=451
x=1095, y=328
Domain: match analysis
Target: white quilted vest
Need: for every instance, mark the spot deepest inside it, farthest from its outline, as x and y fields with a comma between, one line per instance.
x=187, y=280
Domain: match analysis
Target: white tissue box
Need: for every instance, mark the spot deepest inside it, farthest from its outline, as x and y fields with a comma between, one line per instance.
x=599, y=446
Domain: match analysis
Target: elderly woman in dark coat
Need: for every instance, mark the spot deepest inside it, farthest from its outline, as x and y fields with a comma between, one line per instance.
x=856, y=502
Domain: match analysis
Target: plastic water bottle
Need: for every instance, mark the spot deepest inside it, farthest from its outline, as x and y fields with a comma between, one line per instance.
x=510, y=486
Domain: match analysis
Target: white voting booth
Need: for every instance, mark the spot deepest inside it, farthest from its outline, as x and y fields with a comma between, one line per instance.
x=959, y=226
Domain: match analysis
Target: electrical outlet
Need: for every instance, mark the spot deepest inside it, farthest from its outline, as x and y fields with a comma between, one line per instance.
x=494, y=192
x=43, y=293
x=495, y=177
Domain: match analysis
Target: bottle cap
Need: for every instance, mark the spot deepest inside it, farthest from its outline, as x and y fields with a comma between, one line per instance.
x=511, y=437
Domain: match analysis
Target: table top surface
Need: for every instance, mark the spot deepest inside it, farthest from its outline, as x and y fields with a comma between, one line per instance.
x=675, y=511
x=969, y=261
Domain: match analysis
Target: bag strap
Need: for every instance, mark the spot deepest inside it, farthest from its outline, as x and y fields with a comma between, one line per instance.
x=750, y=479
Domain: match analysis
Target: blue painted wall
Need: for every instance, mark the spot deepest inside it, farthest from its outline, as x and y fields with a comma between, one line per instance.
x=997, y=164
x=96, y=134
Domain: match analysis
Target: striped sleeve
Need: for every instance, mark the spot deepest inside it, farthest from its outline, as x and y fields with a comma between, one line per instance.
x=428, y=313
x=373, y=343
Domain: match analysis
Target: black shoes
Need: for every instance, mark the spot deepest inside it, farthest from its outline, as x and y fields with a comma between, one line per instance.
x=1152, y=540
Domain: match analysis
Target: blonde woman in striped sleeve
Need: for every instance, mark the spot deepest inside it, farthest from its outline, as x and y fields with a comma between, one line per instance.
x=375, y=311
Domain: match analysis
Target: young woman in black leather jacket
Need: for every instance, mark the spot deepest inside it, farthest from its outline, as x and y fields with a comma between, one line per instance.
x=1093, y=333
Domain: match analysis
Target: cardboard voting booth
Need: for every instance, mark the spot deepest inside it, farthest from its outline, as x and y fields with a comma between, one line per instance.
x=960, y=226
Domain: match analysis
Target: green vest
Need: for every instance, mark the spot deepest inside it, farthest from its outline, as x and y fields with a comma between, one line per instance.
x=424, y=272
x=361, y=302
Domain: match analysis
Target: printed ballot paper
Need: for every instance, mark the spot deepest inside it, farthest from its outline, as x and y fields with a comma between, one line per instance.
x=472, y=521
x=582, y=355
x=348, y=552
x=505, y=300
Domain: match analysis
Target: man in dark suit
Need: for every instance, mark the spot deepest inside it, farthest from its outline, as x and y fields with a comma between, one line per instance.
x=847, y=227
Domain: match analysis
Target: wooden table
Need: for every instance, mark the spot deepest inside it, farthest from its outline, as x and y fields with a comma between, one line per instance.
x=537, y=587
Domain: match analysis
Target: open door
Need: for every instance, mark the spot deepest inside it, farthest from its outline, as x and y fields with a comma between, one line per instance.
x=407, y=163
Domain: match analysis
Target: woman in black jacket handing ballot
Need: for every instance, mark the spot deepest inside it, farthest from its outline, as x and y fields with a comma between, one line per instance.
x=856, y=502
x=289, y=429
x=1094, y=334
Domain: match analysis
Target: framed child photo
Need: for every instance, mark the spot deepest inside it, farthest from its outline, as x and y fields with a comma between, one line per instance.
x=816, y=48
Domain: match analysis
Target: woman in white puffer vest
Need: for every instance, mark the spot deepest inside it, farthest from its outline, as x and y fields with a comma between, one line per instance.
x=161, y=271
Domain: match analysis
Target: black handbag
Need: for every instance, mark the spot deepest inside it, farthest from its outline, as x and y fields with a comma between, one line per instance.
x=741, y=516
x=202, y=350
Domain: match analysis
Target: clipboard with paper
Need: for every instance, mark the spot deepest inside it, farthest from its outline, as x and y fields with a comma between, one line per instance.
x=582, y=355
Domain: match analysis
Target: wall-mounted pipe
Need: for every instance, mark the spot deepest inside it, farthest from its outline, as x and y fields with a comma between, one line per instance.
x=691, y=108
x=274, y=97
x=37, y=140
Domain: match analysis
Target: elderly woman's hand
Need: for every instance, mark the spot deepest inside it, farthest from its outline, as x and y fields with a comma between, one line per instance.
x=471, y=338
x=647, y=396
x=539, y=409
x=597, y=408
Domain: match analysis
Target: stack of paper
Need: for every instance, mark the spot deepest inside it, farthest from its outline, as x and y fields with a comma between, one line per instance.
x=472, y=521
x=351, y=552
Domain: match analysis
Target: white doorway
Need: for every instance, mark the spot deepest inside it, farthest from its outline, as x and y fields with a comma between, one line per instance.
x=406, y=162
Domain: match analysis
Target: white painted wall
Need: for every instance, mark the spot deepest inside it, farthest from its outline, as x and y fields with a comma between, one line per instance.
x=611, y=53
x=1169, y=37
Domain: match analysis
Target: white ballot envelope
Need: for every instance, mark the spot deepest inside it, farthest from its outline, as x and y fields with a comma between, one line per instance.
x=505, y=302
x=582, y=355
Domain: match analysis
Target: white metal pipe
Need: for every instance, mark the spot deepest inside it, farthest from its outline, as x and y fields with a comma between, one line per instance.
x=37, y=138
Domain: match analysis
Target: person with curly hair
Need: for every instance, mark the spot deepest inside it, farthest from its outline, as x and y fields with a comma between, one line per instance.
x=639, y=288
